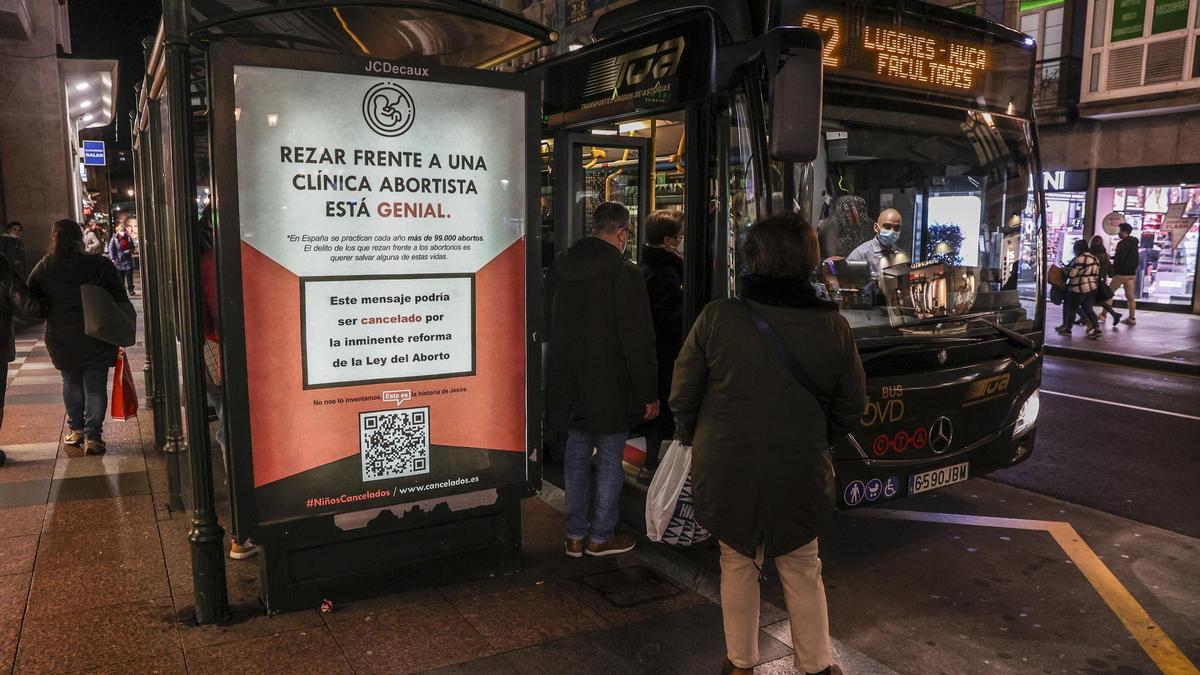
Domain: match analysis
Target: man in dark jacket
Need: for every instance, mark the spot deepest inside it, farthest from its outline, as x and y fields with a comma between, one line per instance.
x=15, y=299
x=662, y=267
x=12, y=248
x=1125, y=269
x=601, y=374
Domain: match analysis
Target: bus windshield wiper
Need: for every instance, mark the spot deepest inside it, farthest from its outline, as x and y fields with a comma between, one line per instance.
x=981, y=317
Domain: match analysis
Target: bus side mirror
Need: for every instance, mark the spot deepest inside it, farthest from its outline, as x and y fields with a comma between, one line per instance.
x=796, y=97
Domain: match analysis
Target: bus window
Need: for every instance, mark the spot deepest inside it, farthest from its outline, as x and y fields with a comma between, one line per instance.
x=743, y=208
x=610, y=174
x=937, y=199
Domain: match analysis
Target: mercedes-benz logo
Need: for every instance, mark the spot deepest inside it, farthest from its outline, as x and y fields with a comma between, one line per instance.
x=942, y=356
x=388, y=109
x=940, y=435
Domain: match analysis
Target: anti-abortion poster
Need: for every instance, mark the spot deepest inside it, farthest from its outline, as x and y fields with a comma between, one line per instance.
x=380, y=287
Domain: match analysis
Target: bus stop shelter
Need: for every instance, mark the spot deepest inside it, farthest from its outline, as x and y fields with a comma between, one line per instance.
x=409, y=165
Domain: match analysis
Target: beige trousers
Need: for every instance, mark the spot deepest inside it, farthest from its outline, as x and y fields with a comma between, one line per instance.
x=800, y=572
x=1125, y=280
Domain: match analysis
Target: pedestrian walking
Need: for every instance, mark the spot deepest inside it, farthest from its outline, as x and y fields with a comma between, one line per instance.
x=1104, y=294
x=1082, y=281
x=662, y=268
x=601, y=376
x=15, y=300
x=1125, y=270
x=13, y=248
x=762, y=384
x=82, y=360
x=120, y=252
x=93, y=238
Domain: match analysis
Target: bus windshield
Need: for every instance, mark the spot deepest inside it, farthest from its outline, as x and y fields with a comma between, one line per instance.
x=919, y=218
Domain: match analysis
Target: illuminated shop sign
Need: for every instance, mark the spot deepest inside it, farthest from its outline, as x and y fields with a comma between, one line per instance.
x=902, y=50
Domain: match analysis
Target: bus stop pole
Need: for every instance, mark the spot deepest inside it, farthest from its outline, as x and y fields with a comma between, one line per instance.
x=207, y=538
x=164, y=314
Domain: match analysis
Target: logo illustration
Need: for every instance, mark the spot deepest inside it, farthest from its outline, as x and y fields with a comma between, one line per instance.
x=942, y=357
x=388, y=109
x=987, y=388
x=655, y=62
x=940, y=435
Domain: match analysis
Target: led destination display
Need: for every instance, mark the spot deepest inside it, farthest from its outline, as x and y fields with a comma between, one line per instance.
x=899, y=50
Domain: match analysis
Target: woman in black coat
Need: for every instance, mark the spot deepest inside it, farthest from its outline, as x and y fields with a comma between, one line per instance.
x=15, y=299
x=82, y=360
x=762, y=479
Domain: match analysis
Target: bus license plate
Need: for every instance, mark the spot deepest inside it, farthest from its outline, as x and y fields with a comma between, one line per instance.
x=931, y=480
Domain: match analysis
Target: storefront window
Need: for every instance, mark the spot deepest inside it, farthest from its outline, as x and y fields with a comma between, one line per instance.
x=1064, y=224
x=1164, y=221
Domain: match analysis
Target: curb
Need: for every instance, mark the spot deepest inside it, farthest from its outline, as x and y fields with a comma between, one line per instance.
x=1148, y=362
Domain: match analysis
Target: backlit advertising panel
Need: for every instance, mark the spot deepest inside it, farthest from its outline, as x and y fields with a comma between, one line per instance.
x=373, y=262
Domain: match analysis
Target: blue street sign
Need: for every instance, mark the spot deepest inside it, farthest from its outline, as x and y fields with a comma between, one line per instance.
x=93, y=153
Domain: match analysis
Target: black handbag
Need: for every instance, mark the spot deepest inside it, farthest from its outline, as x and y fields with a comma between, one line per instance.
x=106, y=319
x=1103, y=292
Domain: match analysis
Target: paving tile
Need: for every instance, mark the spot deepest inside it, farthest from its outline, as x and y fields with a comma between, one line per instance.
x=97, y=487
x=28, y=452
x=25, y=493
x=109, y=513
x=13, y=590
x=592, y=653
x=245, y=623
x=22, y=520
x=17, y=554
x=637, y=611
x=97, y=583
x=409, y=601
x=88, y=638
x=17, y=472
x=172, y=664
x=60, y=549
x=492, y=665
x=308, y=650
x=408, y=641
x=99, y=465
x=522, y=617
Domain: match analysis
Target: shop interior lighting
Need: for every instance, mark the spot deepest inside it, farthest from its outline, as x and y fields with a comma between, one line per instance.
x=88, y=117
x=85, y=104
x=83, y=86
x=1029, y=41
x=603, y=132
x=272, y=119
x=574, y=46
x=633, y=126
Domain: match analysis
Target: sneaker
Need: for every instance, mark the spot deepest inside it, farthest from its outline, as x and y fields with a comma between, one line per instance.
x=1061, y=330
x=242, y=551
x=73, y=438
x=133, y=294
x=645, y=477
x=1095, y=334
x=1130, y=321
x=574, y=548
x=1116, y=319
x=620, y=543
x=95, y=447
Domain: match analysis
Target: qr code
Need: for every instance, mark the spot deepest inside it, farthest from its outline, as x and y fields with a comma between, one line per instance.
x=394, y=443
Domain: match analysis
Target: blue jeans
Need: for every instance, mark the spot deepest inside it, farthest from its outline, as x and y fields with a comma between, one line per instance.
x=85, y=394
x=577, y=460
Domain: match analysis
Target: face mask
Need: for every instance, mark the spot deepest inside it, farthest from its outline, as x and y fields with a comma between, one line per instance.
x=888, y=237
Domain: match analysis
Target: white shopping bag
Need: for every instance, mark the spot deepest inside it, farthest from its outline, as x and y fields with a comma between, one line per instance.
x=670, y=517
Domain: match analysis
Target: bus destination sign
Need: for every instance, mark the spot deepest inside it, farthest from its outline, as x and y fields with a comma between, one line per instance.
x=879, y=47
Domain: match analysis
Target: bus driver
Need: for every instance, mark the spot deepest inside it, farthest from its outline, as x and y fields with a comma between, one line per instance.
x=887, y=234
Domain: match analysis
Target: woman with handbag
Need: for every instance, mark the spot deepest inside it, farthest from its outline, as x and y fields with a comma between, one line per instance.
x=760, y=384
x=82, y=360
x=1104, y=294
x=1082, y=281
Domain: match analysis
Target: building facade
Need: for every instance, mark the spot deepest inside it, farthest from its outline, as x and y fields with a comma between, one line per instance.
x=47, y=99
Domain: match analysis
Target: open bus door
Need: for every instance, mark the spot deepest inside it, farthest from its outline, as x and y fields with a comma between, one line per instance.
x=601, y=168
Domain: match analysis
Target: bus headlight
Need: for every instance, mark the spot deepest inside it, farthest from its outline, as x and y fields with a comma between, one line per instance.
x=1028, y=415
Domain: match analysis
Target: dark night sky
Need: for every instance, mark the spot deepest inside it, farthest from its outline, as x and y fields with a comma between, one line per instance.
x=106, y=29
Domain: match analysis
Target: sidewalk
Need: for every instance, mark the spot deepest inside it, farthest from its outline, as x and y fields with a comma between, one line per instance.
x=1161, y=340
x=95, y=576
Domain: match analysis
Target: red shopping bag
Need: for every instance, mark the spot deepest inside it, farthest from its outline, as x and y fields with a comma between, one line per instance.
x=124, y=395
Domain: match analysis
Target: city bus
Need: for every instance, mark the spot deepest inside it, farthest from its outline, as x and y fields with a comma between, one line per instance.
x=926, y=113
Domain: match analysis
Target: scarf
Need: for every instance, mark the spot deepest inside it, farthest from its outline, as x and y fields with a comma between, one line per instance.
x=782, y=291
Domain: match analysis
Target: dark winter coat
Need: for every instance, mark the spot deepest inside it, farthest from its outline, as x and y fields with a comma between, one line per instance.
x=120, y=251
x=15, y=299
x=1125, y=261
x=601, y=361
x=663, y=272
x=761, y=471
x=55, y=283
x=14, y=249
